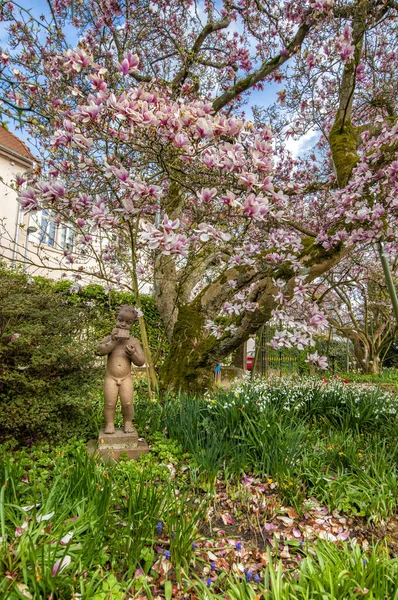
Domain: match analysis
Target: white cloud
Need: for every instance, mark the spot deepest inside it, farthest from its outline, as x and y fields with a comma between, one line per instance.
x=303, y=144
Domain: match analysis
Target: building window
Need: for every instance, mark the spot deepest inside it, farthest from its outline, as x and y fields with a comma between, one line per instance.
x=47, y=228
x=51, y=234
x=67, y=238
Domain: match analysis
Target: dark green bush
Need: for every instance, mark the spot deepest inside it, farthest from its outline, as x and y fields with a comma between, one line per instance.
x=48, y=369
x=50, y=375
x=102, y=306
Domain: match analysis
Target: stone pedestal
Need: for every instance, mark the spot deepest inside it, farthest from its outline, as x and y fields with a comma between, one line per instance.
x=111, y=446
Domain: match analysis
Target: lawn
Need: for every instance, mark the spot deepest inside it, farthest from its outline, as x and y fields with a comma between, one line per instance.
x=279, y=489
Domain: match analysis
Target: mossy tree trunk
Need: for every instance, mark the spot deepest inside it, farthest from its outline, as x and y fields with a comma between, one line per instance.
x=194, y=353
x=367, y=356
x=189, y=365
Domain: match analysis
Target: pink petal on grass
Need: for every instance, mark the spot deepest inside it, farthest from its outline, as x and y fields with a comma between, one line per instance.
x=139, y=573
x=46, y=517
x=286, y=520
x=269, y=527
x=27, y=508
x=66, y=539
x=227, y=519
x=60, y=565
x=285, y=552
x=20, y=530
x=296, y=532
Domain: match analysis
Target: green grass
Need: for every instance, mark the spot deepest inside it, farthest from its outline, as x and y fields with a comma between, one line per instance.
x=336, y=573
x=94, y=517
x=336, y=442
x=115, y=528
x=385, y=376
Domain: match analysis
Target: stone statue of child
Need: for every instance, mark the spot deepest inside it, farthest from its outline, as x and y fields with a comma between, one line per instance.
x=122, y=350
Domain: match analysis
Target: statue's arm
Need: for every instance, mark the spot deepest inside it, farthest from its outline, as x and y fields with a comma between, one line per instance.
x=106, y=346
x=135, y=352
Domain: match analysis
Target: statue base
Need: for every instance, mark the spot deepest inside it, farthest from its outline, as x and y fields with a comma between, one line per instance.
x=113, y=446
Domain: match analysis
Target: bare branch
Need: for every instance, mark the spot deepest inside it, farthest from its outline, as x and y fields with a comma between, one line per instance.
x=266, y=69
x=206, y=31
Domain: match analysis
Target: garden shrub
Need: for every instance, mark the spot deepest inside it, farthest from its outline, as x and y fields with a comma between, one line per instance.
x=50, y=376
x=102, y=305
x=48, y=371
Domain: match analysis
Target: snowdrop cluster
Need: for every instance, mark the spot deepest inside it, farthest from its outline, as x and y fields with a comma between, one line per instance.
x=296, y=395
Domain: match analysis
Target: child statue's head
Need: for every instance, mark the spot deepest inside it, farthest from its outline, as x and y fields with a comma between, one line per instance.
x=126, y=316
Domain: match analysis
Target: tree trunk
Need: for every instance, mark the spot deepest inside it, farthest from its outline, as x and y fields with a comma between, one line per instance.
x=367, y=360
x=189, y=366
x=194, y=354
x=373, y=366
x=239, y=358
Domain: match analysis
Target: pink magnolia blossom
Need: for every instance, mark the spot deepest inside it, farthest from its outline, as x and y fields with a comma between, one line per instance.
x=129, y=64
x=61, y=565
x=28, y=199
x=170, y=153
x=344, y=44
x=317, y=361
x=76, y=60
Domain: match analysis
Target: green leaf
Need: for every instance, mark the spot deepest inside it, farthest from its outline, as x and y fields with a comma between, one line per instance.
x=168, y=590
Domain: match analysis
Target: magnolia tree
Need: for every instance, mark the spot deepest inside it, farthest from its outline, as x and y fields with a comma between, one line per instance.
x=355, y=299
x=137, y=109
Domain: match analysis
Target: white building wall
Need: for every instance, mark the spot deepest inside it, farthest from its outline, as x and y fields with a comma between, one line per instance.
x=20, y=246
x=12, y=222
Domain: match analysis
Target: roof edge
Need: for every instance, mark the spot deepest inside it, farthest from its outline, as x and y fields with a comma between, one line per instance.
x=28, y=154
x=24, y=159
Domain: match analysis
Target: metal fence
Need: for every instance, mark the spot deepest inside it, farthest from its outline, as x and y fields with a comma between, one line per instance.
x=268, y=361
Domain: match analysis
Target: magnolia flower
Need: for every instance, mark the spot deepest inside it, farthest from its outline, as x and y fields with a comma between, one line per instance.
x=207, y=194
x=204, y=129
x=76, y=60
x=206, y=231
x=19, y=179
x=318, y=361
x=281, y=339
x=344, y=45
x=231, y=329
x=64, y=541
x=129, y=64
x=180, y=140
x=28, y=200
x=213, y=328
x=61, y=564
x=318, y=319
x=169, y=225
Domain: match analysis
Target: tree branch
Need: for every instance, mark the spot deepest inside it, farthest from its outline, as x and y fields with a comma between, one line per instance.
x=206, y=31
x=266, y=69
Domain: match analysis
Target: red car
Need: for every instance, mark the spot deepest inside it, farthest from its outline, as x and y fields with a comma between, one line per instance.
x=250, y=360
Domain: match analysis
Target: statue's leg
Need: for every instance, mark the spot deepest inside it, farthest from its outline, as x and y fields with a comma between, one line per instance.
x=111, y=390
x=126, y=398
